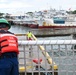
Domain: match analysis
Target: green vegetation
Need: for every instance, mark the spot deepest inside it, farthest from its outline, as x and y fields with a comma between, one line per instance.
x=71, y=12
x=74, y=12
x=1, y=14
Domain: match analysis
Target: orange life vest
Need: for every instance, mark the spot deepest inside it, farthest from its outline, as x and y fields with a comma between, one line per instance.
x=8, y=43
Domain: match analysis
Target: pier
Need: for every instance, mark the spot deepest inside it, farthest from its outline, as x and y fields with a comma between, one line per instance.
x=46, y=32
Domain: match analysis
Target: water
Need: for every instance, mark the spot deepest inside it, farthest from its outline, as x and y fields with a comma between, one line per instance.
x=19, y=29
x=56, y=38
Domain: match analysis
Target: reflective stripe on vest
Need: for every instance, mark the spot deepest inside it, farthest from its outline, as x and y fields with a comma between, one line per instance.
x=8, y=43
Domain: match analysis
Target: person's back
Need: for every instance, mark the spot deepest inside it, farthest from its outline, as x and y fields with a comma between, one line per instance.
x=8, y=50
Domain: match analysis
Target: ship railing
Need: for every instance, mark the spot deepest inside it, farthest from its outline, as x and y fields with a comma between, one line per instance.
x=47, y=57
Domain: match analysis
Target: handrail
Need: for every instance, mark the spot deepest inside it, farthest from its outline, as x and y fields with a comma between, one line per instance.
x=49, y=59
x=46, y=42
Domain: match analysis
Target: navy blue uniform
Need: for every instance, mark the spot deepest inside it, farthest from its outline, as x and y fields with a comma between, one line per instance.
x=8, y=61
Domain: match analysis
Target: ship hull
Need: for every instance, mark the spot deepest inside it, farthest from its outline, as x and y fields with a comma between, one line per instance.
x=57, y=27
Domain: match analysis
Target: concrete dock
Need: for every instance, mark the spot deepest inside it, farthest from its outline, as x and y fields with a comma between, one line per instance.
x=53, y=32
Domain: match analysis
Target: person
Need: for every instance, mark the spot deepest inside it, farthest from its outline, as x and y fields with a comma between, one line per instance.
x=29, y=35
x=8, y=50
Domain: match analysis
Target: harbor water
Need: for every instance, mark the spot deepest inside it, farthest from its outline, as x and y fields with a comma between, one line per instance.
x=23, y=30
x=19, y=29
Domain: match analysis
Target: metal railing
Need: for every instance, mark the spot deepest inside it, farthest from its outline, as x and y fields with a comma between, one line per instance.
x=47, y=57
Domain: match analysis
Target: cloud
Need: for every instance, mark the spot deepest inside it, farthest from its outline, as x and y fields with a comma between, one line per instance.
x=3, y=1
x=35, y=5
x=9, y=6
x=14, y=4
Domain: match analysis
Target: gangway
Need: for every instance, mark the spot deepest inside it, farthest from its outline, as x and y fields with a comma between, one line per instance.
x=49, y=59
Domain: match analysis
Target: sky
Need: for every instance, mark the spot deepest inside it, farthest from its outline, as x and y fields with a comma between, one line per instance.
x=23, y=6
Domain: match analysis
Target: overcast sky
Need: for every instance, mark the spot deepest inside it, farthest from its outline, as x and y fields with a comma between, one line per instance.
x=12, y=6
